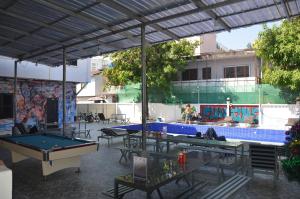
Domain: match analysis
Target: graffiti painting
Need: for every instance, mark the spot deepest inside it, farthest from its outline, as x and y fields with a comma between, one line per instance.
x=32, y=99
x=214, y=113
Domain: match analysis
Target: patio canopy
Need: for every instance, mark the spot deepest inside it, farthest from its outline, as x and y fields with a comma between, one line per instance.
x=38, y=30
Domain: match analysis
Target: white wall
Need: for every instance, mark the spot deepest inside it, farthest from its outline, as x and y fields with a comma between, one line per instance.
x=273, y=116
x=208, y=43
x=88, y=90
x=29, y=70
x=99, y=84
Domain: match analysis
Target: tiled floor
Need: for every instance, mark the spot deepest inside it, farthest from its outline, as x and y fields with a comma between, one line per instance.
x=98, y=171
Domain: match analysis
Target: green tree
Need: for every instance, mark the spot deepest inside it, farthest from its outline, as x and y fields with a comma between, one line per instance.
x=279, y=47
x=163, y=61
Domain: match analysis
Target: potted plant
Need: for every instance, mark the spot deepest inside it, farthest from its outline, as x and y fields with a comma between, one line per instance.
x=291, y=165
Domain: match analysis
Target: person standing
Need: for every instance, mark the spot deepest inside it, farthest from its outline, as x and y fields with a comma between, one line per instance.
x=188, y=114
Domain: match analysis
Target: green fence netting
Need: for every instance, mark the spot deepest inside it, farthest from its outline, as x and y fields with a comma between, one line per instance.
x=245, y=94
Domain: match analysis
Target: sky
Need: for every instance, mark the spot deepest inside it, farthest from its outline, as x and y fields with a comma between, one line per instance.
x=239, y=38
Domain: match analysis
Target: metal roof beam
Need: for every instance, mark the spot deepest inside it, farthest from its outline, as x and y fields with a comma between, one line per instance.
x=182, y=14
x=189, y=23
x=83, y=16
x=50, y=25
x=29, y=34
x=212, y=14
x=168, y=6
x=196, y=10
x=133, y=15
x=11, y=4
x=26, y=44
x=18, y=42
x=22, y=51
x=38, y=23
x=285, y=8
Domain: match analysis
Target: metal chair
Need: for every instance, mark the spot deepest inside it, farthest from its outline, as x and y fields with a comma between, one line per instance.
x=264, y=159
x=102, y=118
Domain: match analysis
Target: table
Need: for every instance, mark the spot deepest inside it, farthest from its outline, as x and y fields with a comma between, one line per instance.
x=163, y=170
x=234, y=146
x=55, y=152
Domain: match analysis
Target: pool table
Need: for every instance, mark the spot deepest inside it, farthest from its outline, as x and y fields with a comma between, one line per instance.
x=55, y=152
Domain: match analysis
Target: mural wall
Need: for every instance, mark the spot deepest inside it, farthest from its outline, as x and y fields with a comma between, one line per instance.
x=213, y=113
x=32, y=99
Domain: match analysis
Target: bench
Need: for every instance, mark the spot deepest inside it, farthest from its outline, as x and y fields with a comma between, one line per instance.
x=210, y=149
x=227, y=188
x=122, y=190
x=125, y=151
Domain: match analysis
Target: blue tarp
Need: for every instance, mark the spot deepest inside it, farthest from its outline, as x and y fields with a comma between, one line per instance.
x=251, y=134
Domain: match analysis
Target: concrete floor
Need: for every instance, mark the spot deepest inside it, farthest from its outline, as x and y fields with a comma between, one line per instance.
x=99, y=169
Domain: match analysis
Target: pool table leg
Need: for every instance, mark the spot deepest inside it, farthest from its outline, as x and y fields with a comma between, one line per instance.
x=78, y=170
x=59, y=164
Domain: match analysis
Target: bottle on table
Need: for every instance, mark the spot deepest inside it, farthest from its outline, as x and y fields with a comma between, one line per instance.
x=165, y=130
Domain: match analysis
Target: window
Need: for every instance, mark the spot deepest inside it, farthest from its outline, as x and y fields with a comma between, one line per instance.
x=6, y=105
x=206, y=73
x=239, y=71
x=189, y=74
x=242, y=71
x=229, y=72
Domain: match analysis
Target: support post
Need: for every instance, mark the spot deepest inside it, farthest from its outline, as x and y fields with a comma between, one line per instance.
x=15, y=93
x=64, y=91
x=144, y=86
x=228, y=107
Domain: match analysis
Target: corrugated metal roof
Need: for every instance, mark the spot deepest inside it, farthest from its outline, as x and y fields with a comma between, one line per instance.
x=37, y=30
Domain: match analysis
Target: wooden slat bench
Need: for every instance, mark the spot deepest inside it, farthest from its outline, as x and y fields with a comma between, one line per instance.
x=210, y=149
x=227, y=188
x=122, y=190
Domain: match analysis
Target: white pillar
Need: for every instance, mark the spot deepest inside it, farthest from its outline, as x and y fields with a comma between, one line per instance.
x=228, y=107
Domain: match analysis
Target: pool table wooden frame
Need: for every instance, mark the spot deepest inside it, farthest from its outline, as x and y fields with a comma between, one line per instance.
x=52, y=160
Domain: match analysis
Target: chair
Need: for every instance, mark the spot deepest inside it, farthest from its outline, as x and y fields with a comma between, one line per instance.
x=264, y=159
x=102, y=118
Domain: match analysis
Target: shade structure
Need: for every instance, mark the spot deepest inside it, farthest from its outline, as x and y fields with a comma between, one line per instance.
x=53, y=32
x=38, y=30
